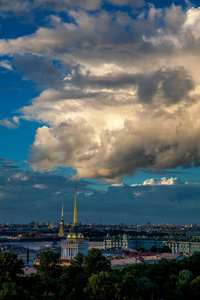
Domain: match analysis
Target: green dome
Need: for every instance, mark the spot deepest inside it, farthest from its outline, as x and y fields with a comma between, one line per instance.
x=75, y=235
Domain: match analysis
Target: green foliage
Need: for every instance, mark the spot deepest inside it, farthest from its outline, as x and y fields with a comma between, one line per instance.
x=129, y=286
x=10, y=266
x=141, y=249
x=34, y=284
x=192, y=264
x=196, y=282
x=95, y=262
x=146, y=288
x=103, y=286
x=10, y=291
x=78, y=260
x=143, y=281
x=165, y=249
x=90, y=277
x=153, y=249
x=186, y=275
x=73, y=281
x=50, y=264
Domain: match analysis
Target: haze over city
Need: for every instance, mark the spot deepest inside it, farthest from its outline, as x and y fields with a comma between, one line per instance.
x=103, y=95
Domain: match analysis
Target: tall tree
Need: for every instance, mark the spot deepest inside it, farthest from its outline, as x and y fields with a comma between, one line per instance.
x=11, y=291
x=49, y=264
x=95, y=262
x=10, y=267
x=78, y=260
x=103, y=286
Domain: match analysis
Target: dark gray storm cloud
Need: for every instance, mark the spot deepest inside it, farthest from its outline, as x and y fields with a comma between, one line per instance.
x=147, y=203
x=7, y=164
x=171, y=85
x=27, y=196
x=40, y=70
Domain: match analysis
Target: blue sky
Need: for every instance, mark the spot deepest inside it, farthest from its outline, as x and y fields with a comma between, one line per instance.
x=103, y=95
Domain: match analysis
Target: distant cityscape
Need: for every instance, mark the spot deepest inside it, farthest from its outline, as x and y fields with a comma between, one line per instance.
x=40, y=228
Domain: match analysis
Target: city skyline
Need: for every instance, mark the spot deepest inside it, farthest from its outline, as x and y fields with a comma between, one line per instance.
x=103, y=95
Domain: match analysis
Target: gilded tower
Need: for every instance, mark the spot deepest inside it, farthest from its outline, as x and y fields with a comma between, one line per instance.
x=75, y=241
x=74, y=228
x=62, y=225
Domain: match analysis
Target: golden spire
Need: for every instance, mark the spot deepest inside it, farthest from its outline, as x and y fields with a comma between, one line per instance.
x=62, y=211
x=62, y=225
x=75, y=209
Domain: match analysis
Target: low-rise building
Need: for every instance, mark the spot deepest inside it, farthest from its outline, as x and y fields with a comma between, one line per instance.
x=125, y=241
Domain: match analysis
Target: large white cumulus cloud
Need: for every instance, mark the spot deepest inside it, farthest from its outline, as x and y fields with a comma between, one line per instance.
x=125, y=93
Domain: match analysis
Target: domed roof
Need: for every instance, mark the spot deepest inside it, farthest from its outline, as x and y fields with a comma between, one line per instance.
x=75, y=235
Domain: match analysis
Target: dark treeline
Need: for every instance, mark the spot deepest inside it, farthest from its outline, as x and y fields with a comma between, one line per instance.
x=91, y=277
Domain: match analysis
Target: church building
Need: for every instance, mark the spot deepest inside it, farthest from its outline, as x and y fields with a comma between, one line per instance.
x=75, y=241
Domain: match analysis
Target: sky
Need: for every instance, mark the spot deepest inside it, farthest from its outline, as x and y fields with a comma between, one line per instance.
x=103, y=95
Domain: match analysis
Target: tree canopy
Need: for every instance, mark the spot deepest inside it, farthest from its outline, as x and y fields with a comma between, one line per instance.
x=91, y=277
x=49, y=264
x=95, y=262
x=10, y=267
